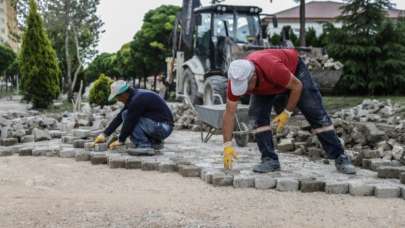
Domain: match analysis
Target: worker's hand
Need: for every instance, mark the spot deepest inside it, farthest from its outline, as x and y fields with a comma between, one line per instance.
x=229, y=155
x=281, y=120
x=115, y=145
x=100, y=139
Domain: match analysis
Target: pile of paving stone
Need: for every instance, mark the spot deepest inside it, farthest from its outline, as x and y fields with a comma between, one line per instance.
x=322, y=62
x=185, y=117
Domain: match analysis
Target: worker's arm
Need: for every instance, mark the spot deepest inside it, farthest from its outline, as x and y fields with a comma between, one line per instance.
x=229, y=119
x=295, y=87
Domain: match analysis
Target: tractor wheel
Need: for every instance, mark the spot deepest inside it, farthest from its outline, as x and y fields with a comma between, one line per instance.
x=215, y=90
x=190, y=88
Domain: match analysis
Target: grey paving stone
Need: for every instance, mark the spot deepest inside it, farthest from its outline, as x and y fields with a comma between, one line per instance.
x=265, y=182
x=81, y=133
x=6, y=152
x=389, y=171
x=116, y=161
x=206, y=175
x=360, y=189
x=79, y=143
x=402, y=177
x=137, y=152
x=68, y=139
x=67, y=153
x=100, y=147
x=311, y=185
x=56, y=134
x=167, y=166
x=149, y=164
x=89, y=146
x=375, y=163
x=366, y=163
x=82, y=155
x=403, y=192
x=222, y=179
x=28, y=139
x=53, y=152
x=9, y=141
x=25, y=151
x=387, y=191
x=133, y=163
x=189, y=170
x=336, y=188
x=98, y=158
x=287, y=184
x=41, y=151
x=241, y=181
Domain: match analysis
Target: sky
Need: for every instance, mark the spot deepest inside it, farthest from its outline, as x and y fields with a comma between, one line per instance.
x=123, y=18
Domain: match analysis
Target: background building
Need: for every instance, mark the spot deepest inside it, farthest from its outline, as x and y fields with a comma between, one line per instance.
x=9, y=31
x=317, y=14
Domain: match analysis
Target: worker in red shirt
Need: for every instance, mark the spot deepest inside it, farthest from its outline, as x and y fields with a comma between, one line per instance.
x=264, y=75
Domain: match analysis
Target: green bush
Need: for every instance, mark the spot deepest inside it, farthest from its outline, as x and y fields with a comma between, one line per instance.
x=100, y=91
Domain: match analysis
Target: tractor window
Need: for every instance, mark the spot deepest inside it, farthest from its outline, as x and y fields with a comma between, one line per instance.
x=219, y=24
x=203, y=31
x=247, y=28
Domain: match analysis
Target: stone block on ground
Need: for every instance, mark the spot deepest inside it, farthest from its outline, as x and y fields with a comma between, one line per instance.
x=360, y=189
x=137, y=152
x=41, y=151
x=56, y=134
x=366, y=163
x=167, y=166
x=286, y=145
x=6, y=152
x=149, y=164
x=242, y=181
x=79, y=143
x=287, y=184
x=82, y=155
x=403, y=192
x=25, y=151
x=336, y=188
x=41, y=134
x=206, y=175
x=9, y=141
x=68, y=139
x=312, y=185
x=133, y=163
x=27, y=139
x=389, y=171
x=81, y=133
x=100, y=147
x=375, y=163
x=116, y=161
x=189, y=170
x=265, y=182
x=402, y=177
x=387, y=191
x=68, y=152
x=89, y=146
x=98, y=158
x=222, y=179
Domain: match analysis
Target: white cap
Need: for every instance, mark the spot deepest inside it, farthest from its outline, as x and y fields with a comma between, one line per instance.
x=239, y=72
x=117, y=88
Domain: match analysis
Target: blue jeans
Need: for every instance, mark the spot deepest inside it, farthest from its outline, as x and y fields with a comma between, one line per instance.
x=148, y=133
x=310, y=105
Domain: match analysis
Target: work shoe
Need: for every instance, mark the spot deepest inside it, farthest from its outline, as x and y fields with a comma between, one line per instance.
x=158, y=146
x=267, y=165
x=344, y=165
x=141, y=151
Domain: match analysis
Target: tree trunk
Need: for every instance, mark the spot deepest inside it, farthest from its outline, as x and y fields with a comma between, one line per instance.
x=302, y=23
x=144, y=82
x=68, y=76
x=79, y=68
x=154, y=82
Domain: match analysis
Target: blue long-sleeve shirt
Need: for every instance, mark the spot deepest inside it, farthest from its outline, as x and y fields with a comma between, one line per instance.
x=141, y=103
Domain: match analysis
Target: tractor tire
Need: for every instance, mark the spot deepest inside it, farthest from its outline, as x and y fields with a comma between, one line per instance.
x=215, y=85
x=190, y=88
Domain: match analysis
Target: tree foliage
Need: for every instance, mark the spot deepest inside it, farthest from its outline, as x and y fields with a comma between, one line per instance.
x=7, y=56
x=38, y=63
x=104, y=63
x=100, y=91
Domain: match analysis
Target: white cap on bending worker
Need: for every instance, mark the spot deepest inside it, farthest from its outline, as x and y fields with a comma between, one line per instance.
x=240, y=72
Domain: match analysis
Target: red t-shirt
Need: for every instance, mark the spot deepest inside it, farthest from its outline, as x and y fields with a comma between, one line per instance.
x=274, y=68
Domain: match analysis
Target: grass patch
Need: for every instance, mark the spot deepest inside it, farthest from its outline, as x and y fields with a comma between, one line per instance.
x=337, y=102
x=59, y=107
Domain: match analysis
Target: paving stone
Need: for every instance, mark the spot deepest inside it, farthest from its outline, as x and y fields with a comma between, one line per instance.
x=189, y=170
x=79, y=143
x=287, y=184
x=25, y=151
x=27, y=139
x=265, y=182
x=136, y=152
x=133, y=163
x=242, y=181
x=311, y=185
x=53, y=152
x=366, y=163
x=41, y=134
x=222, y=179
x=207, y=174
x=56, y=134
x=9, y=141
x=337, y=188
x=82, y=155
x=41, y=151
x=402, y=177
x=375, y=163
x=100, y=147
x=6, y=152
x=166, y=167
x=116, y=161
x=81, y=133
x=389, y=171
x=403, y=192
x=68, y=153
x=286, y=145
x=68, y=139
x=359, y=189
x=149, y=164
x=89, y=146
x=98, y=158
x=387, y=191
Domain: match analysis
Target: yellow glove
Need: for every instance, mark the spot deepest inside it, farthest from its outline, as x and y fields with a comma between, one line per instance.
x=229, y=156
x=100, y=139
x=115, y=145
x=281, y=120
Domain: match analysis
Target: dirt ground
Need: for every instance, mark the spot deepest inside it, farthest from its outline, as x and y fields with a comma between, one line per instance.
x=56, y=192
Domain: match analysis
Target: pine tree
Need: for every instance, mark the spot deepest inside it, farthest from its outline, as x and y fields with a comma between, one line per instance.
x=38, y=63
